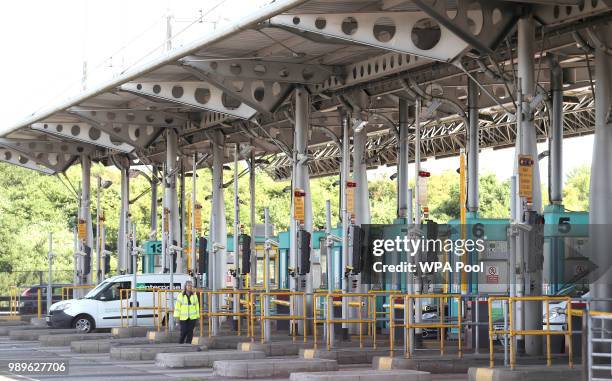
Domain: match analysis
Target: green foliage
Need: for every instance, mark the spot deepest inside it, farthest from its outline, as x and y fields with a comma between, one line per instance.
x=576, y=189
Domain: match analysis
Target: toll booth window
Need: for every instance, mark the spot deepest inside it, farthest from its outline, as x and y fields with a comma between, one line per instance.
x=112, y=292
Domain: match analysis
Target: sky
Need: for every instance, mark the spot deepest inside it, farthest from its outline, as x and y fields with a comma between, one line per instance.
x=45, y=44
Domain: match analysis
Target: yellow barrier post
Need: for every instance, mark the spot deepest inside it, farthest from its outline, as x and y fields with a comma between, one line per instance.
x=39, y=303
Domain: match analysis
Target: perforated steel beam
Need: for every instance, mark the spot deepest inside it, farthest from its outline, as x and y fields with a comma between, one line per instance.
x=200, y=95
x=113, y=117
x=404, y=32
x=263, y=95
x=11, y=156
x=83, y=132
x=482, y=24
x=136, y=135
x=264, y=70
x=46, y=146
x=57, y=160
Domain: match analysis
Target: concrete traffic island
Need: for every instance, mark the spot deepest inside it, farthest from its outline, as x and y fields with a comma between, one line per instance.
x=204, y=359
x=434, y=364
x=67, y=339
x=12, y=323
x=6, y=330
x=279, y=348
x=230, y=341
x=526, y=373
x=104, y=346
x=122, y=332
x=363, y=375
x=149, y=351
x=34, y=334
x=271, y=367
x=345, y=355
x=164, y=337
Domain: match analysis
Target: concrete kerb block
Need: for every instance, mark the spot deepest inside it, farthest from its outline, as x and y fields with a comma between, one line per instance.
x=274, y=348
x=271, y=367
x=67, y=339
x=163, y=336
x=13, y=323
x=104, y=346
x=437, y=365
x=123, y=332
x=363, y=375
x=6, y=330
x=344, y=355
x=526, y=373
x=148, y=351
x=30, y=335
x=203, y=359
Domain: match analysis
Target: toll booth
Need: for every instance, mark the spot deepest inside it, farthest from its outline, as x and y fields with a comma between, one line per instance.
x=565, y=239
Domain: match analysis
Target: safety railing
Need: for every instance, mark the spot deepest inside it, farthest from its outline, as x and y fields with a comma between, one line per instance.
x=125, y=305
x=365, y=302
x=511, y=333
x=66, y=290
x=382, y=314
x=409, y=324
x=229, y=297
x=296, y=298
x=165, y=307
x=14, y=302
x=599, y=335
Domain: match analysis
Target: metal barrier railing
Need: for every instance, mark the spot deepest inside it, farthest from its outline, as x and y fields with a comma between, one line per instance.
x=124, y=295
x=364, y=299
x=408, y=324
x=603, y=337
x=225, y=310
x=14, y=301
x=165, y=308
x=67, y=289
x=511, y=332
x=295, y=299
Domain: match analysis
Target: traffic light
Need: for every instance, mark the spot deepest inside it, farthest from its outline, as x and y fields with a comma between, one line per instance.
x=202, y=256
x=303, y=239
x=244, y=249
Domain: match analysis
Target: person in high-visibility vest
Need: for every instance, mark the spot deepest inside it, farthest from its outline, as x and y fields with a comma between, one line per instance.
x=187, y=311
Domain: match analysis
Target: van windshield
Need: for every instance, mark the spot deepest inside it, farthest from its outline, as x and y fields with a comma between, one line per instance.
x=96, y=290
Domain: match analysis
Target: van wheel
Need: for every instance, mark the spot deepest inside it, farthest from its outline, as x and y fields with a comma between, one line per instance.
x=83, y=324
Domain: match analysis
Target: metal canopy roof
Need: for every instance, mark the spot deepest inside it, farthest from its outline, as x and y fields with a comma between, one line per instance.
x=359, y=56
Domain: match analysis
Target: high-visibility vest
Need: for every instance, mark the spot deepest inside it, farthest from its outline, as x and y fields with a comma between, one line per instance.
x=183, y=310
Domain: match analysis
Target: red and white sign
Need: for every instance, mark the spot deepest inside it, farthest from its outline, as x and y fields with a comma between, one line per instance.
x=492, y=274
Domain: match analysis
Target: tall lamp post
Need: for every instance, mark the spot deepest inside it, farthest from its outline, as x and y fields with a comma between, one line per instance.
x=102, y=184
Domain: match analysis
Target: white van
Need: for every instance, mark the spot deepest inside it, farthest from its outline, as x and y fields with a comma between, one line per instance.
x=101, y=307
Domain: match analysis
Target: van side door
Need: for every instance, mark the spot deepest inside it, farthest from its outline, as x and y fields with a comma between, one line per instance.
x=109, y=304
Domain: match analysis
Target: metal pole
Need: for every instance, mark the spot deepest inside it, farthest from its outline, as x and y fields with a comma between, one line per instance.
x=600, y=215
x=237, y=256
x=267, y=325
x=194, y=180
x=180, y=262
x=253, y=276
x=345, y=218
x=98, y=243
x=170, y=196
x=527, y=139
x=135, y=280
x=329, y=331
x=417, y=217
x=556, y=138
x=86, y=216
x=123, y=221
x=403, y=209
x=218, y=223
x=50, y=279
x=473, y=147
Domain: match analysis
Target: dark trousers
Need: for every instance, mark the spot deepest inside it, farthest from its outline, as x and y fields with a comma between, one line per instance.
x=187, y=327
